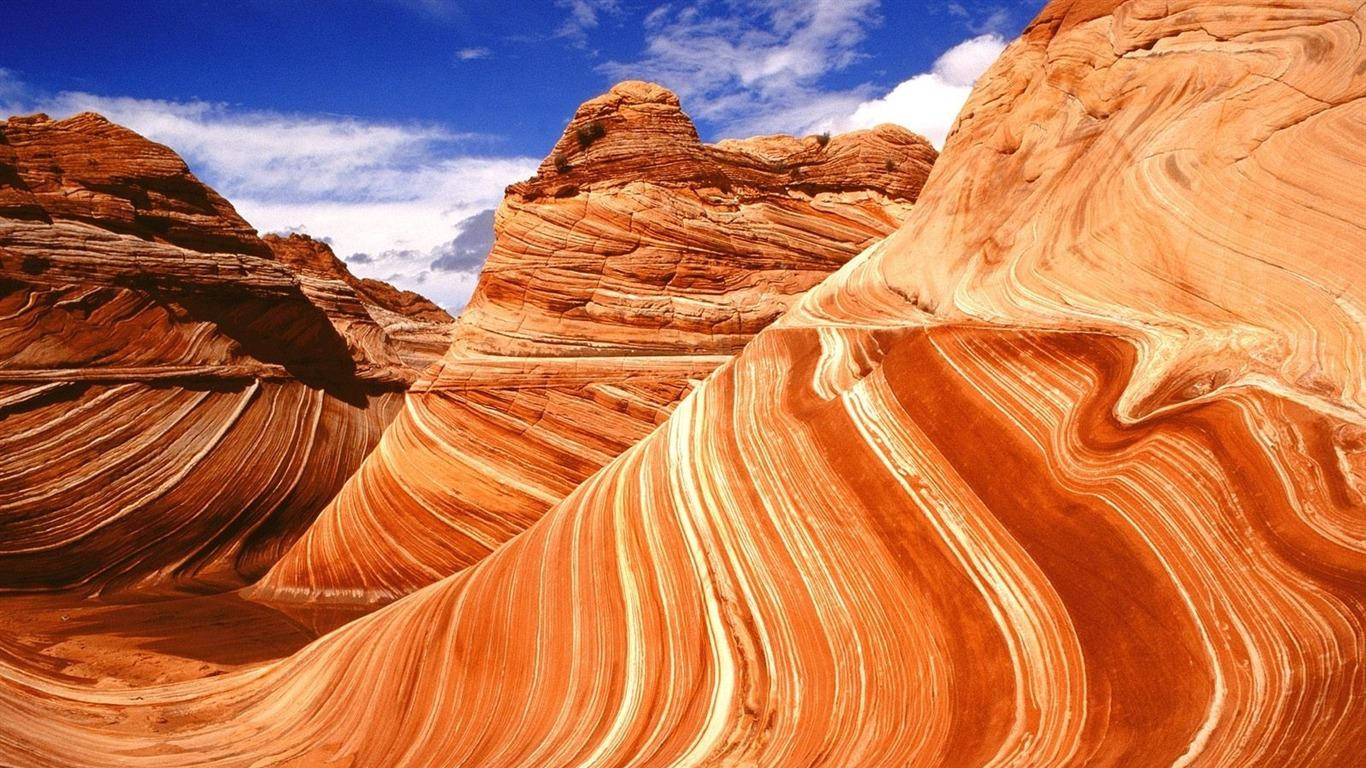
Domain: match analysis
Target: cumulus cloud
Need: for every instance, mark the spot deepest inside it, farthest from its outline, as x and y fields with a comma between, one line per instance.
x=445, y=273
x=754, y=66
x=929, y=103
x=369, y=187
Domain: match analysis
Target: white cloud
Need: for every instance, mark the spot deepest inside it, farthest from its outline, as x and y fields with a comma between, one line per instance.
x=446, y=273
x=965, y=62
x=470, y=54
x=583, y=16
x=370, y=187
x=466, y=253
x=929, y=103
x=753, y=66
x=756, y=66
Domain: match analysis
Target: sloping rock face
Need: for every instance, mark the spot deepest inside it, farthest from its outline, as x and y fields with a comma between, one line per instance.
x=1067, y=472
x=175, y=403
x=418, y=330
x=634, y=263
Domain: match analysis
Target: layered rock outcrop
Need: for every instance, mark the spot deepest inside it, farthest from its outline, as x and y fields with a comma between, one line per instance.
x=635, y=261
x=176, y=402
x=636, y=238
x=418, y=330
x=1069, y=471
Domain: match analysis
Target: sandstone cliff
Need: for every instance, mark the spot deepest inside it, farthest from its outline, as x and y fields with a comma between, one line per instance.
x=175, y=401
x=629, y=267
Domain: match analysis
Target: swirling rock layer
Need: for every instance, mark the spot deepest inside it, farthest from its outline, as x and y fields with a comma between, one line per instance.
x=1067, y=472
x=176, y=403
x=632, y=265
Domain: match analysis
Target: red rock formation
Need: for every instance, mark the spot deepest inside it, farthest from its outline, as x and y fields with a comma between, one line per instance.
x=174, y=402
x=87, y=169
x=615, y=283
x=415, y=327
x=645, y=240
x=1069, y=471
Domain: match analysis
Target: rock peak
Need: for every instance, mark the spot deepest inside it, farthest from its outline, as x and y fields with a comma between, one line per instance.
x=638, y=132
x=87, y=168
x=642, y=92
x=632, y=119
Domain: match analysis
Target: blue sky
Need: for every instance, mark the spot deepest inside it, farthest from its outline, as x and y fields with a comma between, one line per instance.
x=388, y=126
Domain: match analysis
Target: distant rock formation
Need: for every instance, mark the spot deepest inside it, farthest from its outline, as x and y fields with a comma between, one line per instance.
x=415, y=327
x=636, y=238
x=636, y=261
x=176, y=401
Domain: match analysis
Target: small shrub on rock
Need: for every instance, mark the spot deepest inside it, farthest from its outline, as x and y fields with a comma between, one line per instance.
x=589, y=133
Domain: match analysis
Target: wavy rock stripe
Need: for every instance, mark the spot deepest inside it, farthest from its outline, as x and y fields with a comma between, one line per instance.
x=965, y=506
x=471, y=461
x=920, y=605
x=176, y=404
x=613, y=286
x=1232, y=256
x=234, y=465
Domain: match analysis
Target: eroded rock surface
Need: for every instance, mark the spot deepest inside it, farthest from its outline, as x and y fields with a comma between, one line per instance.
x=176, y=402
x=1069, y=471
x=635, y=262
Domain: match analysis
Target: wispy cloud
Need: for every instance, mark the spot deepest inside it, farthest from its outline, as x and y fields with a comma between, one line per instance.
x=371, y=187
x=584, y=16
x=441, y=10
x=753, y=66
x=982, y=18
x=928, y=103
x=759, y=66
x=470, y=54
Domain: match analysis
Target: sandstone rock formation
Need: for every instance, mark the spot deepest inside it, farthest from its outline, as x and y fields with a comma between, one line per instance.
x=635, y=262
x=1069, y=471
x=645, y=240
x=418, y=330
x=175, y=402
